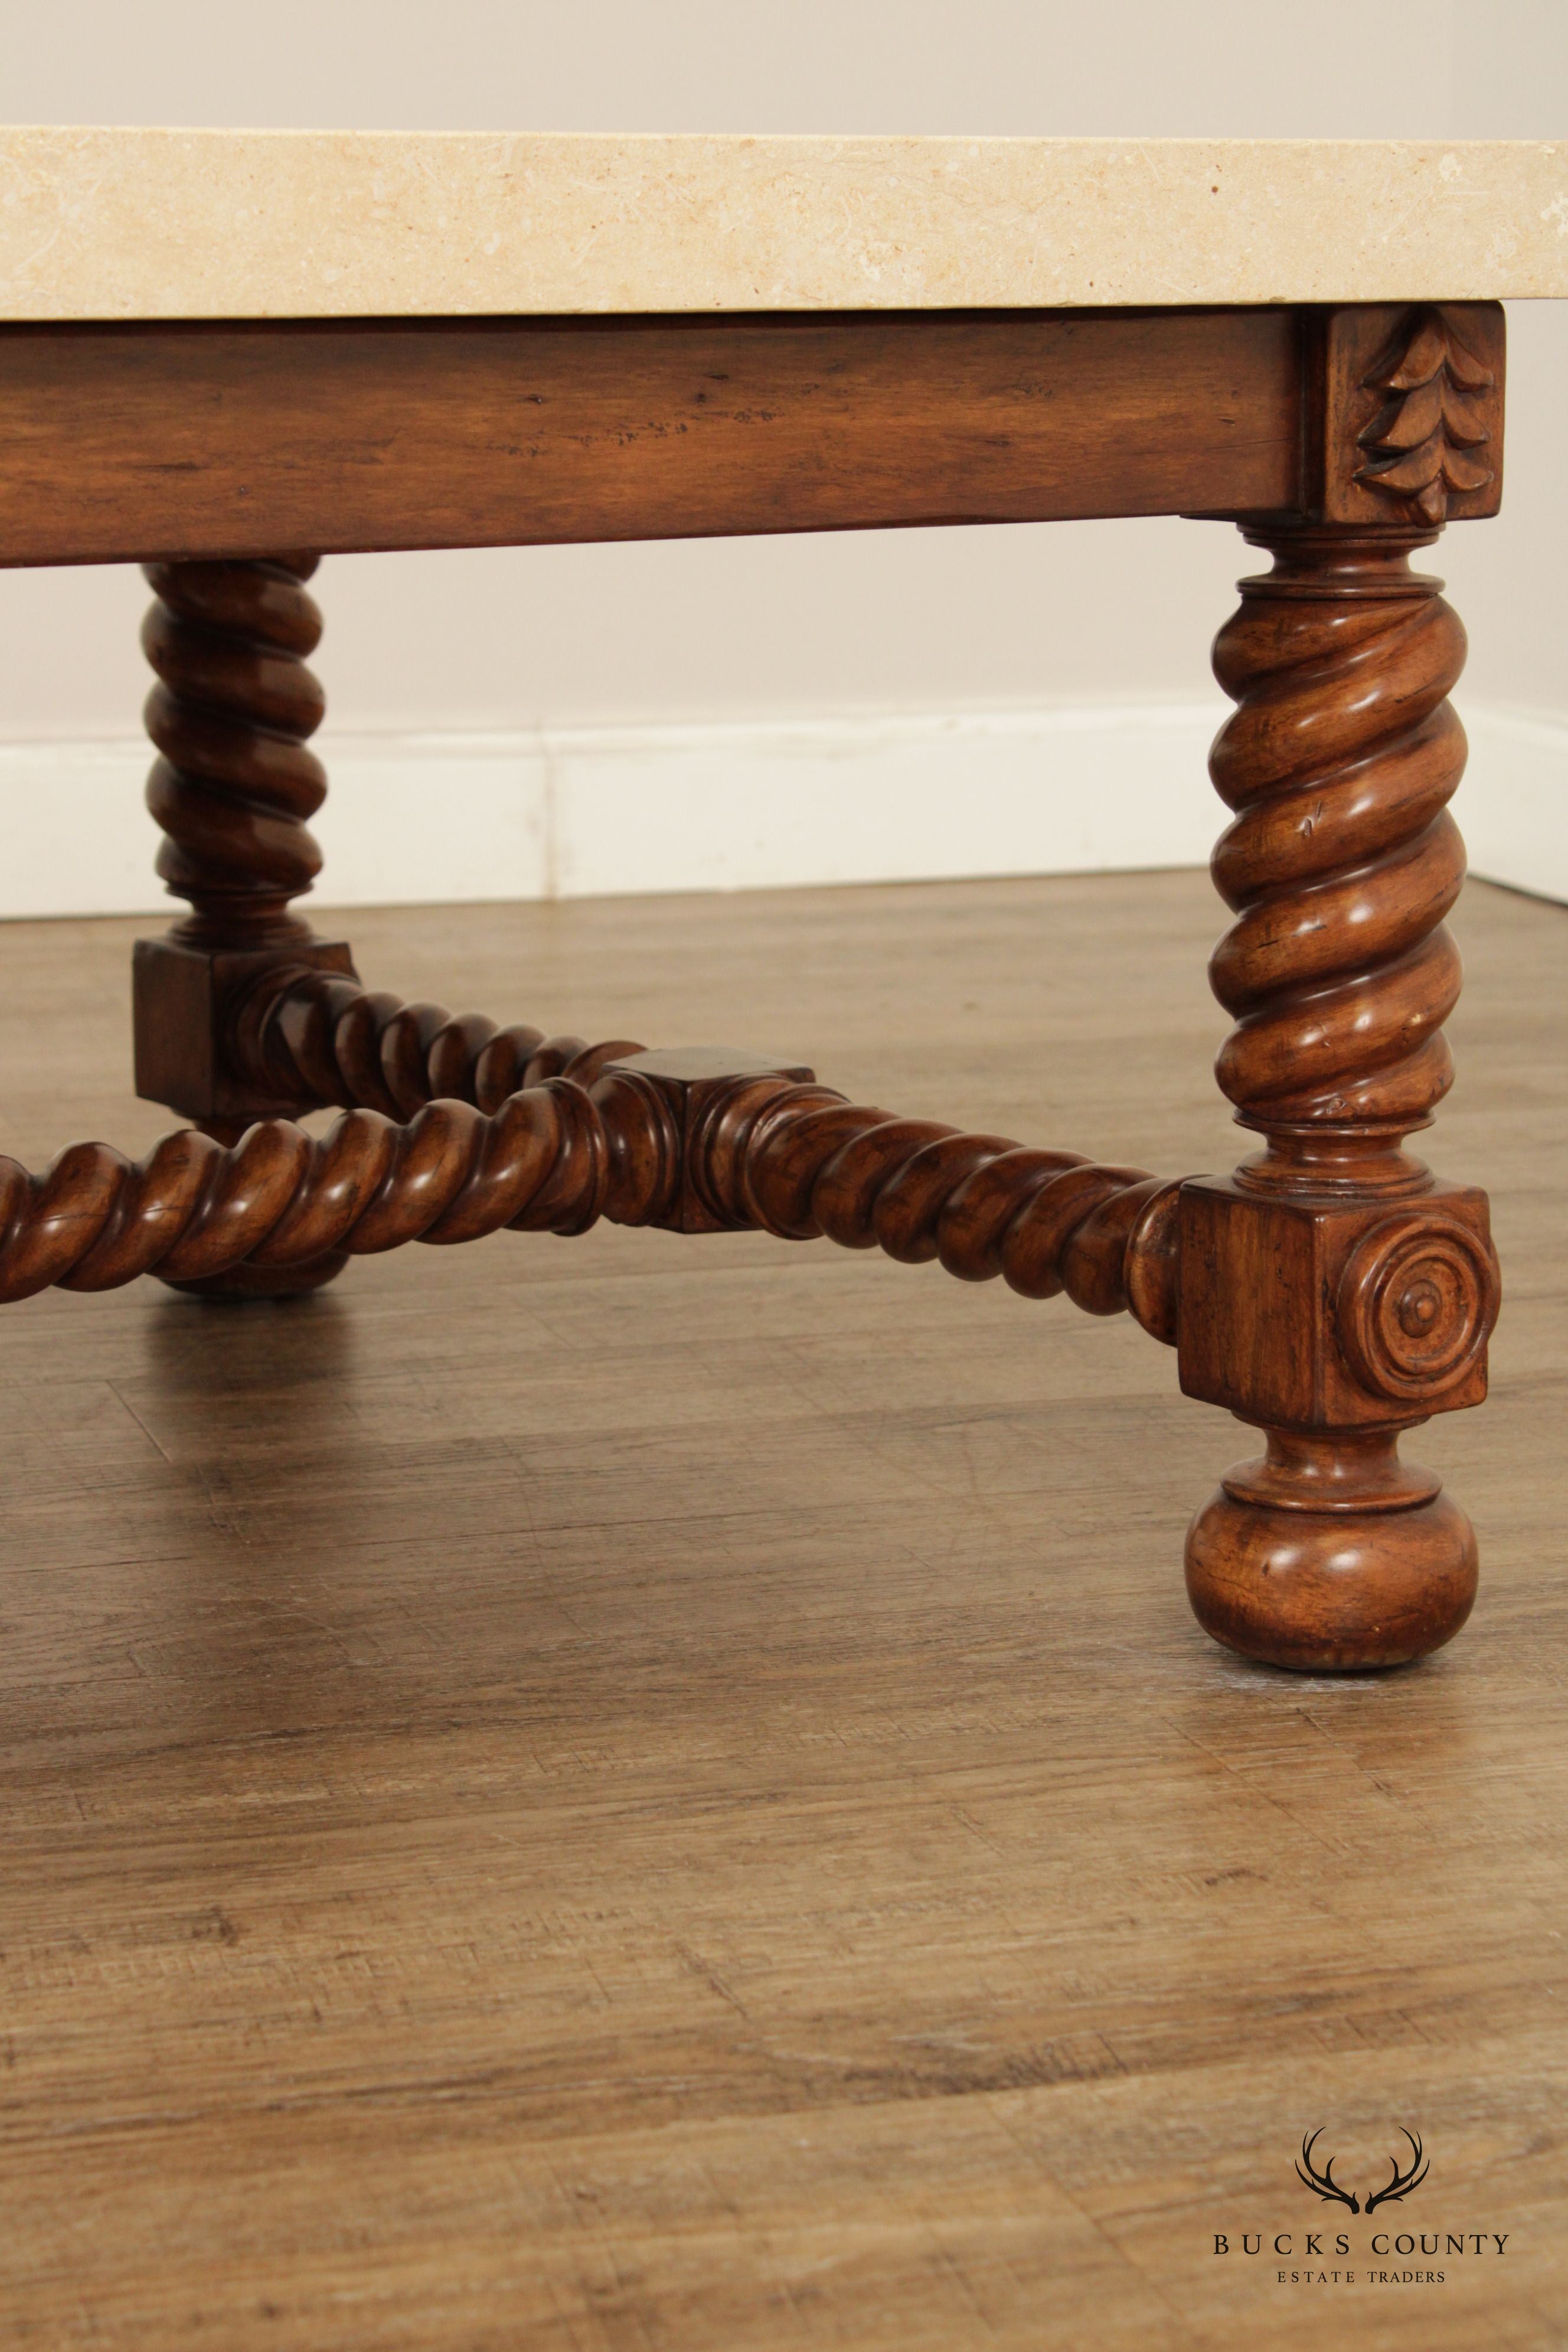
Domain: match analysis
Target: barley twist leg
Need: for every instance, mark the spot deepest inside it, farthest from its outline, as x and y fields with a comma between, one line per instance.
x=233, y=787
x=1333, y=1292
x=231, y=715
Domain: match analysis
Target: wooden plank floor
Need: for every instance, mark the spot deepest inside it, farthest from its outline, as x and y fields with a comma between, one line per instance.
x=648, y=1792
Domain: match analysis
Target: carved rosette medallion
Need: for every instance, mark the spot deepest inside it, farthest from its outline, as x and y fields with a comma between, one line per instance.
x=1418, y=1303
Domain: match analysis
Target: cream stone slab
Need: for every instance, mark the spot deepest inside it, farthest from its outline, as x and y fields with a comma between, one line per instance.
x=147, y=224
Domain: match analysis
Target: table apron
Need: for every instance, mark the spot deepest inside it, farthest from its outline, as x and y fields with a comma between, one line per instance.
x=192, y=439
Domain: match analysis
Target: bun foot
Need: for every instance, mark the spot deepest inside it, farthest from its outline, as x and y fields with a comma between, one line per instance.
x=245, y=1282
x=1330, y=1556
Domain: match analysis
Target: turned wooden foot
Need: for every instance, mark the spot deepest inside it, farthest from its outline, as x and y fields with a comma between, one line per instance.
x=1328, y=1553
x=1332, y=1292
x=264, y=1282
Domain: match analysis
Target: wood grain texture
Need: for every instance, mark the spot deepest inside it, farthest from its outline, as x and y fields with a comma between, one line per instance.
x=199, y=441
x=635, y=1795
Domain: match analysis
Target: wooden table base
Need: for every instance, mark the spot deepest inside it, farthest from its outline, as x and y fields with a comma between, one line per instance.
x=1331, y=1293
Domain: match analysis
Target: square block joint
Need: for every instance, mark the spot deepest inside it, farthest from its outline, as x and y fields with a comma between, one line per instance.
x=692, y=1080
x=1268, y=1291
x=183, y=1000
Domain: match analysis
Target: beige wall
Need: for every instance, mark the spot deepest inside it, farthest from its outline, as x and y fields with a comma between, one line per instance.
x=914, y=620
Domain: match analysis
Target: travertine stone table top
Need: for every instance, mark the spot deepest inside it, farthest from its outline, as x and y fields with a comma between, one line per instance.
x=134, y=223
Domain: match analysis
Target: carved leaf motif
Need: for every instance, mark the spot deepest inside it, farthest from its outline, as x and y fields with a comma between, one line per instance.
x=1418, y=443
x=1435, y=345
x=1404, y=423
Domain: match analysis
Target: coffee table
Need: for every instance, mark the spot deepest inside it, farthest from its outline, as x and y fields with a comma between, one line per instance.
x=226, y=354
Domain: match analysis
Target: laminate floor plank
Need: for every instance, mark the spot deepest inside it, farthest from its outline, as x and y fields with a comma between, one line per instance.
x=647, y=1794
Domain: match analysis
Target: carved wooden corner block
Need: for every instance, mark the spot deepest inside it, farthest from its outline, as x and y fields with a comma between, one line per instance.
x=186, y=1002
x=681, y=1095
x=1410, y=423
x=1326, y=1314
x=1332, y=1325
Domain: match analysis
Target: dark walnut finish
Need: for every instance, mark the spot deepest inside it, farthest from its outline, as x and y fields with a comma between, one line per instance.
x=1331, y=1293
x=233, y=787
x=125, y=442
x=699, y=1140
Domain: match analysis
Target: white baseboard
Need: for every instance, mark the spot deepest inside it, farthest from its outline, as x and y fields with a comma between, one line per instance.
x=1513, y=806
x=575, y=812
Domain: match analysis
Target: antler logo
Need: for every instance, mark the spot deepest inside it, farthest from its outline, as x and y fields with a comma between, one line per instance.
x=1325, y=2186
x=1402, y=2182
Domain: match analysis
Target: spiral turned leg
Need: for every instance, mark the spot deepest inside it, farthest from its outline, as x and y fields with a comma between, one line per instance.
x=231, y=716
x=233, y=787
x=1332, y=1292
